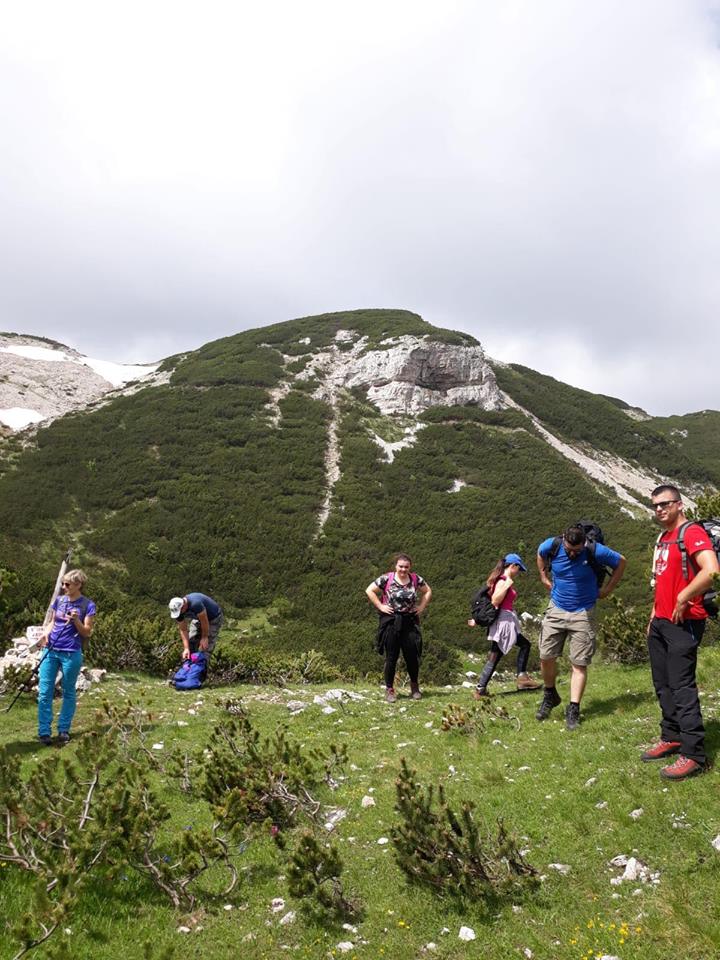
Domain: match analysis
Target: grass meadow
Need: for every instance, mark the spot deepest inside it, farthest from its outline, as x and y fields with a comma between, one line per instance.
x=568, y=797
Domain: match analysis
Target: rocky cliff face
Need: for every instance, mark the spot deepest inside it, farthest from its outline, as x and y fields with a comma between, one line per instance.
x=409, y=375
x=41, y=380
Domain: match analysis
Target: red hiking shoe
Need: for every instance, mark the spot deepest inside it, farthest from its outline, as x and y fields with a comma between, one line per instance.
x=663, y=748
x=683, y=768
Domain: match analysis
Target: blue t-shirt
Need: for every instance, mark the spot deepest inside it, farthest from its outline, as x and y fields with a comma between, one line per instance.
x=574, y=582
x=197, y=602
x=64, y=635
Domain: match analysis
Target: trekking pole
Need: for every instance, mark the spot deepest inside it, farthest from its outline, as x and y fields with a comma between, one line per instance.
x=26, y=685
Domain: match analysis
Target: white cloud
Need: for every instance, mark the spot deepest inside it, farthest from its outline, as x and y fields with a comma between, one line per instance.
x=542, y=175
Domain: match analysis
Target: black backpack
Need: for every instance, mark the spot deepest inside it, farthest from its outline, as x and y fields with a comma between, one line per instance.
x=593, y=536
x=711, y=526
x=482, y=610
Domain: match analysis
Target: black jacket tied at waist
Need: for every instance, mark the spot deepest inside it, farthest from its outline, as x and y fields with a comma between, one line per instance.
x=396, y=626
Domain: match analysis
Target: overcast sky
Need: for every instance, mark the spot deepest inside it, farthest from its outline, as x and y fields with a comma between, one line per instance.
x=544, y=175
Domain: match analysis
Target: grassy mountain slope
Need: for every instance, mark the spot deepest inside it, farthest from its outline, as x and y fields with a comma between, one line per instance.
x=697, y=435
x=578, y=416
x=191, y=485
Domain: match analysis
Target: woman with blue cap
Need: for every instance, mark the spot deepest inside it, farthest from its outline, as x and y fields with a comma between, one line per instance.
x=504, y=633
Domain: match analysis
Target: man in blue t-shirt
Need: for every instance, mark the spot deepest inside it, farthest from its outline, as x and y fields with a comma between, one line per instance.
x=570, y=576
x=206, y=618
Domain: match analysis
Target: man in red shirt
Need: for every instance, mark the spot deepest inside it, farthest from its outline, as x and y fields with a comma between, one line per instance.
x=675, y=631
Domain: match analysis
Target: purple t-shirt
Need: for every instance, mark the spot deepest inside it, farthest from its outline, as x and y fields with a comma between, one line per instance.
x=64, y=635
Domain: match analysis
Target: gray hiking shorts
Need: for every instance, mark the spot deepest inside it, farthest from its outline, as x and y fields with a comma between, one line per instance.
x=578, y=628
x=194, y=633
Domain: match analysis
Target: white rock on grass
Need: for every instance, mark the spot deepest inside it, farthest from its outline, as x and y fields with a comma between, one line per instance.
x=603, y=805
x=562, y=868
x=466, y=933
x=716, y=843
x=288, y=918
x=334, y=818
x=277, y=904
x=367, y=801
x=183, y=929
x=382, y=841
x=591, y=782
x=344, y=946
x=634, y=870
x=296, y=706
x=337, y=695
x=636, y=814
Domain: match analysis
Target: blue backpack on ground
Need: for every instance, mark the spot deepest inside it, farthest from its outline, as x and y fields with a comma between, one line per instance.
x=192, y=672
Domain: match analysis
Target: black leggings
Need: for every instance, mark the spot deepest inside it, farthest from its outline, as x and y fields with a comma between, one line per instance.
x=496, y=655
x=407, y=639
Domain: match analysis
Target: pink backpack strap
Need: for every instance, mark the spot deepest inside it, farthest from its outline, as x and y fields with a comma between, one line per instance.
x=390, y=578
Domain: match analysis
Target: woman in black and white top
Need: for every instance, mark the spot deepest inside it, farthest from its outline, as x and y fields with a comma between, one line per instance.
x=400, y=597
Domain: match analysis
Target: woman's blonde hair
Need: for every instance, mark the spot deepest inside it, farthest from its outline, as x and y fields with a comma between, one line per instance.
x=76, y=576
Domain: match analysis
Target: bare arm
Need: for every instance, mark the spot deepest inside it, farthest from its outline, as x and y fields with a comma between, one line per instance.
x=614, y=579
x=708, y=565
x=83, y=627
x=501, y=589
x=425, y=598
x=47, y=630
x=374, y=593
x=546, y=581
x=182, y=627
x=202, y=619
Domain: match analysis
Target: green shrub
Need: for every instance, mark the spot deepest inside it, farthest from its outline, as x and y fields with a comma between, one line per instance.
x=314, y=876
x=623, y=634
x=446, y=851
x=125, y=642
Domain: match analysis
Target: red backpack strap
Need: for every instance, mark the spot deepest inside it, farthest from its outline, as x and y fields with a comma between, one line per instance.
x=414, y=580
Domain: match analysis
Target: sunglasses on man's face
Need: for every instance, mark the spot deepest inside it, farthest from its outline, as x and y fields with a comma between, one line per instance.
x=663, y=504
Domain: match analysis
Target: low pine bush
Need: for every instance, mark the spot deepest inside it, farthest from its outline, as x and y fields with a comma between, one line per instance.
x=314, y=877
x=445, y=850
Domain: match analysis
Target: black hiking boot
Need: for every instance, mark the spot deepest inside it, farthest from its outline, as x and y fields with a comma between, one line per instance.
x=572, y=716
x=551, y=698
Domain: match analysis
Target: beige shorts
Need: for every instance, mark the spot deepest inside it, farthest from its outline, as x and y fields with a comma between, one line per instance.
x=579, y=627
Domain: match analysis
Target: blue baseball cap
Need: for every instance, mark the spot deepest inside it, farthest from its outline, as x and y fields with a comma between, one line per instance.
x=514, y=558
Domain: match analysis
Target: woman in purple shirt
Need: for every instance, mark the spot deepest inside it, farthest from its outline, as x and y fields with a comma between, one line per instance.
x=70, y=625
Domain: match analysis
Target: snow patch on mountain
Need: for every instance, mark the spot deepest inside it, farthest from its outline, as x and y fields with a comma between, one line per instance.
x=41, y=380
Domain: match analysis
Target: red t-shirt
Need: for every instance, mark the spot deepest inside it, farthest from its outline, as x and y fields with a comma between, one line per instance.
x=669, y=580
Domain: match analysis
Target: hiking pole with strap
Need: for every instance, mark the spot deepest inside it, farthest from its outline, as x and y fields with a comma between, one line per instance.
x=26, y=685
